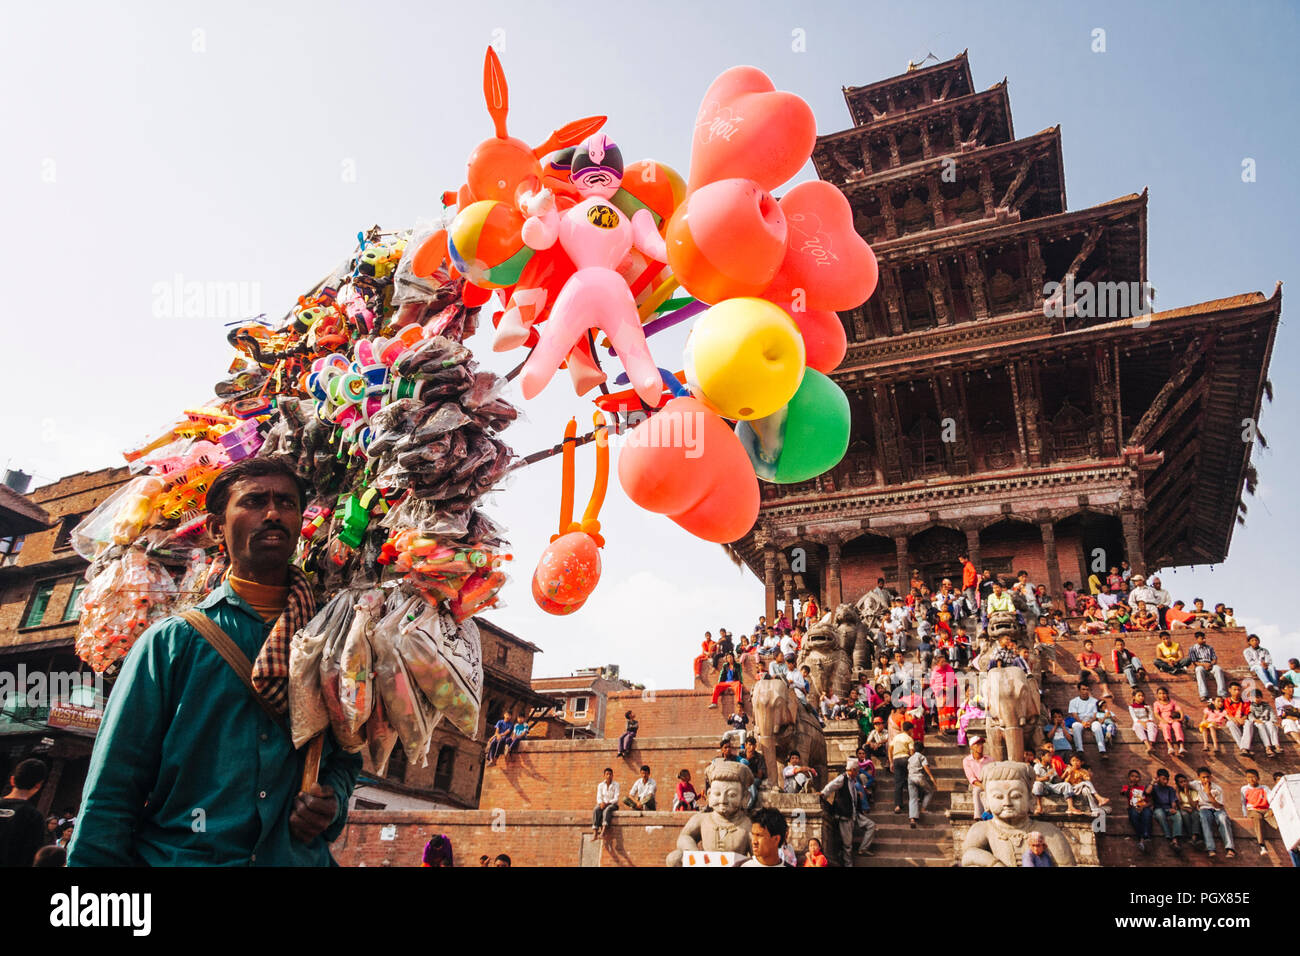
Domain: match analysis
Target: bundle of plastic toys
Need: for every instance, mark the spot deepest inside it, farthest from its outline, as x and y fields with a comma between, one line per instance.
x=366, y=387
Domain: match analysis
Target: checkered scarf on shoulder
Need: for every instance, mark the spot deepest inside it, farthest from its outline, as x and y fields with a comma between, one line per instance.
x=271, y=669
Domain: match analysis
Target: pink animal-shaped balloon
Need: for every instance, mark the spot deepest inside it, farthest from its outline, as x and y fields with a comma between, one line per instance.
x=596, y=236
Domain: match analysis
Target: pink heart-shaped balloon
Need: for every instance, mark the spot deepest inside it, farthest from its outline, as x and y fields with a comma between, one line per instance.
x=827, y=264
x=747, y=129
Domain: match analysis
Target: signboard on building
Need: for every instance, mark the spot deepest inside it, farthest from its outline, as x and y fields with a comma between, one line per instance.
x=84, y=720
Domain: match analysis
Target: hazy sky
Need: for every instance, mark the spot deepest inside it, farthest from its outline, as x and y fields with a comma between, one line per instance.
x=152, y=143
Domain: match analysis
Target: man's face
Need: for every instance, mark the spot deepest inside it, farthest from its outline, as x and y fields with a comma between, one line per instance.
x=1200, y=638
x=1204, y=778
x=1008, y=799
x=608, y=776
x=725, y=750
x=1083, y=692
x=261, y=523
x=1234, y=692
x=1039, y=847
x=766, y=846
x=724, y=796
x=1133, y=778
x=645, y=774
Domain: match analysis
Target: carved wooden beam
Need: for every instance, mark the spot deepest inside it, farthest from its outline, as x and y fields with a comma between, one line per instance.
x=976, y=284
x=885, y=416
x=1175, y=466
x=1016, y=183
x=977, y=128
x=1191, y=359
x=1089, y=244
x=938, y=291
x=943, y=93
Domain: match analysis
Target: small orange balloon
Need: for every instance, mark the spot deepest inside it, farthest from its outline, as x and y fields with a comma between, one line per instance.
x=569, y=569
x=726, y=241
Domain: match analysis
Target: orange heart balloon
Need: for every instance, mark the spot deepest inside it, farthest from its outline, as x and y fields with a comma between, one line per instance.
x=726, y=240
x=746, y=128
x=827, y=264
x=685, y=462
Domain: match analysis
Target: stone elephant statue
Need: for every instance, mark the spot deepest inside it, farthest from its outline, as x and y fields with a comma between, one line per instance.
x=784, y=726
x=1013, y=713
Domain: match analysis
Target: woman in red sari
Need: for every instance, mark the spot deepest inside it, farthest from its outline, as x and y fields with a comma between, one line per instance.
x=943, y=684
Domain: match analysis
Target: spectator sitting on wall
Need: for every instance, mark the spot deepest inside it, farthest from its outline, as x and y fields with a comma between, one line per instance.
x=1260, y=662
x=641, y=796
x=606, y=802
x=738, y=722
x=1090, y=667
x=1144, y=619
x=798, y=778
x=1127, y=663
x=1169, y=655
x=1047, y=778
x=1139, y=809
x=1106, y=599
x=1288, y=711
x=729, y=678
x=1209, y=804
x=1255, y=808
x=1205, y=661
x=686, y=798
x=757, y=766
x=708, y=648
x=629, y=734
x=1177, y=616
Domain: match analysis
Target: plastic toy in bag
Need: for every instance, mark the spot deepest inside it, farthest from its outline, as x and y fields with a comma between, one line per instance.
x=308, y=715
x=445, y=661
x=118, y=605
x=405, y=707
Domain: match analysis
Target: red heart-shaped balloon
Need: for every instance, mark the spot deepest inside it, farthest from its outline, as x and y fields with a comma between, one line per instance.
x=824, y=341
x=827, y=264
x=748, y=129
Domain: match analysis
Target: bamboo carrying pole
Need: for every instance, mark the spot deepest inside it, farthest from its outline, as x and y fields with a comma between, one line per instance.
x=311, y=768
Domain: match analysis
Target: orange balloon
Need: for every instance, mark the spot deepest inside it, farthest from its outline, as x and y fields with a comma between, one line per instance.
x=826, y=260
x=746, y=128
x=553, y=607
x=824, y=341
x=685, y=462
x=569, y=569
x=726, y=241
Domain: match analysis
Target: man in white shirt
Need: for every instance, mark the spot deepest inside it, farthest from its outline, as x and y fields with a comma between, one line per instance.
x=1163, y=601
x=606, y=803
x=789, y=647
x=1209, y=805
x=1084, y=711
x=1106, y=600
x=642, y=794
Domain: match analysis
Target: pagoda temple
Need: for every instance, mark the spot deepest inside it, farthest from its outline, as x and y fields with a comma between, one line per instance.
x=1014, y=394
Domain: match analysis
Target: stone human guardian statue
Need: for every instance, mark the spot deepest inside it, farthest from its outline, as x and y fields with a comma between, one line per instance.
x=724, y=826
x=1002, y=840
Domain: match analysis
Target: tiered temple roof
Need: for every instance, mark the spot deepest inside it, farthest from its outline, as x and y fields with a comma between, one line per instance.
x=1010, y=368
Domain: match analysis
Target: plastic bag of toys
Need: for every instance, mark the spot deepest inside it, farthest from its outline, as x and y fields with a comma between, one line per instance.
x=118, y=605
x=445, y=662
x=308, y=715
x=406, y=709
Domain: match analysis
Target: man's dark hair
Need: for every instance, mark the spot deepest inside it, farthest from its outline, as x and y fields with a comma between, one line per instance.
x=645, y=767
x=607, y=770
x=770, y=819
x=30, y=773
x=1082, y=684
x=1235, y=683
x=503, y=858
x=219, y=493
x=1201, y=770
x=47, y=856
x=1162, y=772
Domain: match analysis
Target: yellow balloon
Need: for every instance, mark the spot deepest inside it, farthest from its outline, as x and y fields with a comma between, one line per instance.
x=744, y=358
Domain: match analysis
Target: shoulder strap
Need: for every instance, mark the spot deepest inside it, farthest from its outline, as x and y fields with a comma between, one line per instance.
x=223, y=644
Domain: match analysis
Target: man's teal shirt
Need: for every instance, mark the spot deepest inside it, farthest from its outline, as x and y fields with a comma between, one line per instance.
x=188, y=769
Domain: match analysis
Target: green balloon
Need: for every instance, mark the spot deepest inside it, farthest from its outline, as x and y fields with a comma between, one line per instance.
x=806, y=438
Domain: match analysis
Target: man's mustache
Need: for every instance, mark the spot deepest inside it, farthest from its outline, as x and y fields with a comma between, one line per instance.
x=272, y=527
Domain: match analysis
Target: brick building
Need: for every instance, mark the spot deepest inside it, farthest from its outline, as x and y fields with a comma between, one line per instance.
x=584, y=697
x=41, y=578
x=1013, y=396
